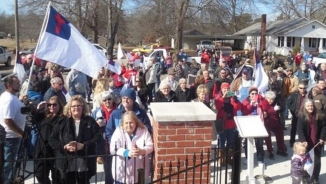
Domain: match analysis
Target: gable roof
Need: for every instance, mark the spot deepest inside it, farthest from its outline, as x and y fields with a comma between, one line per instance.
x=277, y=27
x=193, y=32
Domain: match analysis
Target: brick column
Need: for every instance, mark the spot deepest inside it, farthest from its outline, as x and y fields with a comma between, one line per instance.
x=181, y=129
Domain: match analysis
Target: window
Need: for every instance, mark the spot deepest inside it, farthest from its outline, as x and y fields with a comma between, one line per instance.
x=1, y=51
x=290, y=41
x=312, y=42
x=280, y=41
x=324, y=42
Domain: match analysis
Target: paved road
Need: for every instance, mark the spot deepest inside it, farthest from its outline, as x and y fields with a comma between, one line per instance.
x=4, y=70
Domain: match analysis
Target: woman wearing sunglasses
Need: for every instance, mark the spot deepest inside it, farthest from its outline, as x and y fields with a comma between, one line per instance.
x=74, y=138
x=53, y=113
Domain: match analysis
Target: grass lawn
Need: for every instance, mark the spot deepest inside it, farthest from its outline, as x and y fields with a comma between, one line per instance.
x=11, y=44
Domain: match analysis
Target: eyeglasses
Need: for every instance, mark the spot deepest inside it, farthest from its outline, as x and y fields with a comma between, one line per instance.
x=109, y=99
x=302, y=88
x=76, y=106
x=51, y=104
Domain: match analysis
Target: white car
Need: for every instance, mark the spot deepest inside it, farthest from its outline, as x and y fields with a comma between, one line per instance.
x=104, y=50
x=321, y=58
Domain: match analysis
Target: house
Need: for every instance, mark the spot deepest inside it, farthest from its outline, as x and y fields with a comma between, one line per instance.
x=283, y=35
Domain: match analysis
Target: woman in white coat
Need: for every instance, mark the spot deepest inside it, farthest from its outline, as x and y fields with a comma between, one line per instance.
x=133, y=143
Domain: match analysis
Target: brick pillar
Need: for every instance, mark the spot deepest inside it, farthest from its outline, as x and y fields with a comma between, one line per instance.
x=181, y=129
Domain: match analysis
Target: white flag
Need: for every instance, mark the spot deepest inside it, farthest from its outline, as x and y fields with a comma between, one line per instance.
x=309, y=165
x=62, y=43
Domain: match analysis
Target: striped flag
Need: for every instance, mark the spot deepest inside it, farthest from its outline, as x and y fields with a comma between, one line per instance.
x=261, y=78
x=19, y=68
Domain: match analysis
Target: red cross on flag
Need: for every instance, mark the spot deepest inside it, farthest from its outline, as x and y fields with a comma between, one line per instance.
x=60, y=42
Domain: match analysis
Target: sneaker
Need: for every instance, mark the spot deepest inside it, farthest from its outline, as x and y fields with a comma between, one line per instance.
x=260, y=164
x=282, y=153
x=271, y=156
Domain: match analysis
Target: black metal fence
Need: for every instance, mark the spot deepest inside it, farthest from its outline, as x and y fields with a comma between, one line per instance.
x=223, y=165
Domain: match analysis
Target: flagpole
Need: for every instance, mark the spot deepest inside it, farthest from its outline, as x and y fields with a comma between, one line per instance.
x=45, y=22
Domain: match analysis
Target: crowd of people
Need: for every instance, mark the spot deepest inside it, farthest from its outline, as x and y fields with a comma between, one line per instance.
x=78, y=116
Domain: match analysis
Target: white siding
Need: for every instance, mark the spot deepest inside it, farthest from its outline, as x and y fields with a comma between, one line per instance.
x=308, y=32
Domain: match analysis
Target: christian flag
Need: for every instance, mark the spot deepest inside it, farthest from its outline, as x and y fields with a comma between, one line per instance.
x=261, y=78
x=61, y=43
x=19, y=68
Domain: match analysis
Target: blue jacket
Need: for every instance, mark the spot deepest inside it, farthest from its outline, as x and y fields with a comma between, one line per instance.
x=51, y=92
x=33, y=95
x=116, y=116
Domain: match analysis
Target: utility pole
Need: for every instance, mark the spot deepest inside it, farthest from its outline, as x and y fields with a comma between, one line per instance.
x=17, y=27
x=109, y=32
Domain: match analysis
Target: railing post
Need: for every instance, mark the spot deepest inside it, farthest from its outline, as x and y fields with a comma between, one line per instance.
x=2, y=151
x=236, y=170
x=141, y=176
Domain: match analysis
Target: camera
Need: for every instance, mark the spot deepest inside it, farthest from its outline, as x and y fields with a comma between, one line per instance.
x=29, y=109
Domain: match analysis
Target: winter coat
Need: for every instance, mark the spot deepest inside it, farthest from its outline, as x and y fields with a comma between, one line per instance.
x=116, y=116
x=303, y=130
x=64, y=132
x=159, y=97
x=51, y=92
x=227, y=108
x=183, y=96
x=293, y=102
x=142, y=139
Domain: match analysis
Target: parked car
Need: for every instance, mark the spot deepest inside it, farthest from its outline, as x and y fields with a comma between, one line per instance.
x=321, y=58
x=5, y=57
x=205, y=44
x=25, y=52
x=147, y=48
x=104, y=50
x=164, y=52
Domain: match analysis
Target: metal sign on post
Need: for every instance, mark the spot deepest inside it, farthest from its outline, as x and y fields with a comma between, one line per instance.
x=250, y=127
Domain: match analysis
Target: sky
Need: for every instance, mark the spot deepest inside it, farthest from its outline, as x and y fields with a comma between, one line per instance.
x=7, y=6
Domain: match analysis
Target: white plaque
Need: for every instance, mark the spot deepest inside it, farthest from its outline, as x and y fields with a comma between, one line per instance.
x=250, y=126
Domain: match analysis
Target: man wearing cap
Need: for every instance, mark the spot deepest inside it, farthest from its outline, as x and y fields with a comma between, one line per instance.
x=171, y=79
x=128, y=103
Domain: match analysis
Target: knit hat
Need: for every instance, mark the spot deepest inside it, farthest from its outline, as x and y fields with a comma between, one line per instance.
x=279, y=69
x=253, y=88
x=225, y=85
x=130, y=93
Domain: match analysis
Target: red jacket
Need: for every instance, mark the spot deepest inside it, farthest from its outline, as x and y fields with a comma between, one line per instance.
x=129, y=73
x=297, y=59
x=272, y=119
x=205, y=57
x=223, y=111
x=247, y=109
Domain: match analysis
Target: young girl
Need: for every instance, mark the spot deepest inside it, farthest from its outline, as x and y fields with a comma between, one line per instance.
x=297, y=162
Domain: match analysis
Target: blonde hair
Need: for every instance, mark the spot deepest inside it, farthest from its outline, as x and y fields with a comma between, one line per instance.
x=80, y=99
x=202, y=89
x=132, y=115
x=101, y=85
x=299, y=146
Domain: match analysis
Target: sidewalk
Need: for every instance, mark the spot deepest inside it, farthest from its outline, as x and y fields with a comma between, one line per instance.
x=279, y=168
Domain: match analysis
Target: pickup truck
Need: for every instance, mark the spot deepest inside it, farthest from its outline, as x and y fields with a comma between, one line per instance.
x=146, y=48
x=5, y=57
x=164, y=52
x=205, y=44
